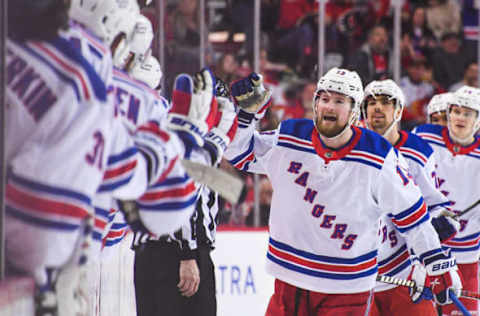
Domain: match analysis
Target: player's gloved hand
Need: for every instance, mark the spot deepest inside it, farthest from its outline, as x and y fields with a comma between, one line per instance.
x=225, y=127
x=422, y=282
x=446, y=227
x=443, y=275
x=157, y=147
x=194, y=107
x=251, y=96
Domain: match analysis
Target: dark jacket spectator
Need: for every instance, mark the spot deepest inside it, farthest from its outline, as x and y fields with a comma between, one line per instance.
x=449, y=61
x=372, y=61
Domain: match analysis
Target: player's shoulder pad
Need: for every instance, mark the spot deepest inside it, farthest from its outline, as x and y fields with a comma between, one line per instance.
x=373, y=143
x=416, y=143
x=429, y=129
x=300, y=128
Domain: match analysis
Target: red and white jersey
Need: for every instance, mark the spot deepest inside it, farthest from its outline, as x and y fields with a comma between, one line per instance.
x=394, y=255
x=326, y=204
x=457, y=170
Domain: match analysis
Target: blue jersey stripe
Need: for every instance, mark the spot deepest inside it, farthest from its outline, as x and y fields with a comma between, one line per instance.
x=168, y=206
x=314, y=273
x=308, y=255
x=48, y=189
x=41, y=222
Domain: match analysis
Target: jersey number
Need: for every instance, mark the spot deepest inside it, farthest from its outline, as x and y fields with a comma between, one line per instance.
x=95, y=157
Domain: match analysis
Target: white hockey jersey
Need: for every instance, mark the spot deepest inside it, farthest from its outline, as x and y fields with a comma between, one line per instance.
x=458, y=170
x=327, y=203
x=394, y=256
x=58, y=127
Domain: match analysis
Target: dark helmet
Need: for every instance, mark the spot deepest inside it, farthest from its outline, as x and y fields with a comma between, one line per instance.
x=37, y=19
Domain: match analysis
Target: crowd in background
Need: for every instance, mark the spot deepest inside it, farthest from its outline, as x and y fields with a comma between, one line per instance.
x=438, y=54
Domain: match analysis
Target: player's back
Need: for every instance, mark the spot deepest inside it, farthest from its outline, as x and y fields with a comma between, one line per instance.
x=55, y=114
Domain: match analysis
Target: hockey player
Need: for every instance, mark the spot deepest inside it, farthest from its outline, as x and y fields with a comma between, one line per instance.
x=332, y=182
x=59, y=134
x=382, y=109
x=437, y=108
x=457, y=154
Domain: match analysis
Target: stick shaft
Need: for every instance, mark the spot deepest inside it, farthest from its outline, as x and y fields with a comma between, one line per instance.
x=411, y=284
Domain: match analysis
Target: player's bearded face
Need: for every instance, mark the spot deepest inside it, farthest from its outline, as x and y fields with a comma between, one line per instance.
x=333, y=112
x=380, y=112
x=462, y=121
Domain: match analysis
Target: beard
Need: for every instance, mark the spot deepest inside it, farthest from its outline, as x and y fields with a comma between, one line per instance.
x=327, y=128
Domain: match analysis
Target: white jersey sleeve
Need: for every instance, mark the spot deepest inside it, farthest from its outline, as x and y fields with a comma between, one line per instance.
x=250, y=148
x=408, y=210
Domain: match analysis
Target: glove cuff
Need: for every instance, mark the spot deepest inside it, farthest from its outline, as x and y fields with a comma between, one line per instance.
x=216, y=143
x=196, y=129
x=438, y=263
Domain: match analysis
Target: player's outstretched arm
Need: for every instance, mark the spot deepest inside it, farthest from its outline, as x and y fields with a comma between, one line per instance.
x=395, y=189
x=250, y=147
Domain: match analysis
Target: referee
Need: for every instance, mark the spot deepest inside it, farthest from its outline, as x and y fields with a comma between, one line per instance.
x=174, y=275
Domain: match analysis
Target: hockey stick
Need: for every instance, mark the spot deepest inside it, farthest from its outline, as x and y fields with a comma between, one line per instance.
x=468, y=209
x=411, y=284
x=459, y=304
x=228, y=186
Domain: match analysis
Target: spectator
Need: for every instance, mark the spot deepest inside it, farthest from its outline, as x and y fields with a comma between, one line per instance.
x=266, y=192
x=443, y=16
x=417, y=94
x=293, y=39
x=226, y=68
x=182, y=29
x=470, y=77
x=302, y=104
x=372, y=61
x=449, y=61
x=418, y=41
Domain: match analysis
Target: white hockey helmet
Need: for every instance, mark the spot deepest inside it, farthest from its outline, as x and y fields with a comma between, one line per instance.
x=109, y=20
x=438, y=103
x=342, y=81
x=389, y=88
x=141, y=39
x=468, y=97
x=148, y=72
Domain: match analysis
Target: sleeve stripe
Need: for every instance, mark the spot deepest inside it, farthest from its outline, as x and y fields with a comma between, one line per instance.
x=178, y=192
x=240, y=157
x=172, y=181
x=112, y=159
x=413, y=218
x=112, y=173
x=168, y=206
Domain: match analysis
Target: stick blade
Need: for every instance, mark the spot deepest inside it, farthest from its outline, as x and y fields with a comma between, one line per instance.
x=225, y=184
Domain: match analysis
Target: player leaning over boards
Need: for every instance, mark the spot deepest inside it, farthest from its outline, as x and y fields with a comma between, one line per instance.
x=457, y=154
x=382, y=109
x=332, y=182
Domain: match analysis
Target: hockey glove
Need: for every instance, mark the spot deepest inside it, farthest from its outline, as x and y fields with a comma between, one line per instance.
x=158, y=147
x=224, y=130
x=443, y=275
x=446, y=227
x=194, y=107
x=251, y=96
x=422, y=290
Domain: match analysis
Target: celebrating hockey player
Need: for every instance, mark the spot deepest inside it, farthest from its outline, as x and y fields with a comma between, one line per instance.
x=437, y=108
x=332, y=182
x=457, y=154
x=382, y=109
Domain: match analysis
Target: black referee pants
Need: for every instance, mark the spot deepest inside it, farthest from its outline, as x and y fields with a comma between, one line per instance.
x=156, y=278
